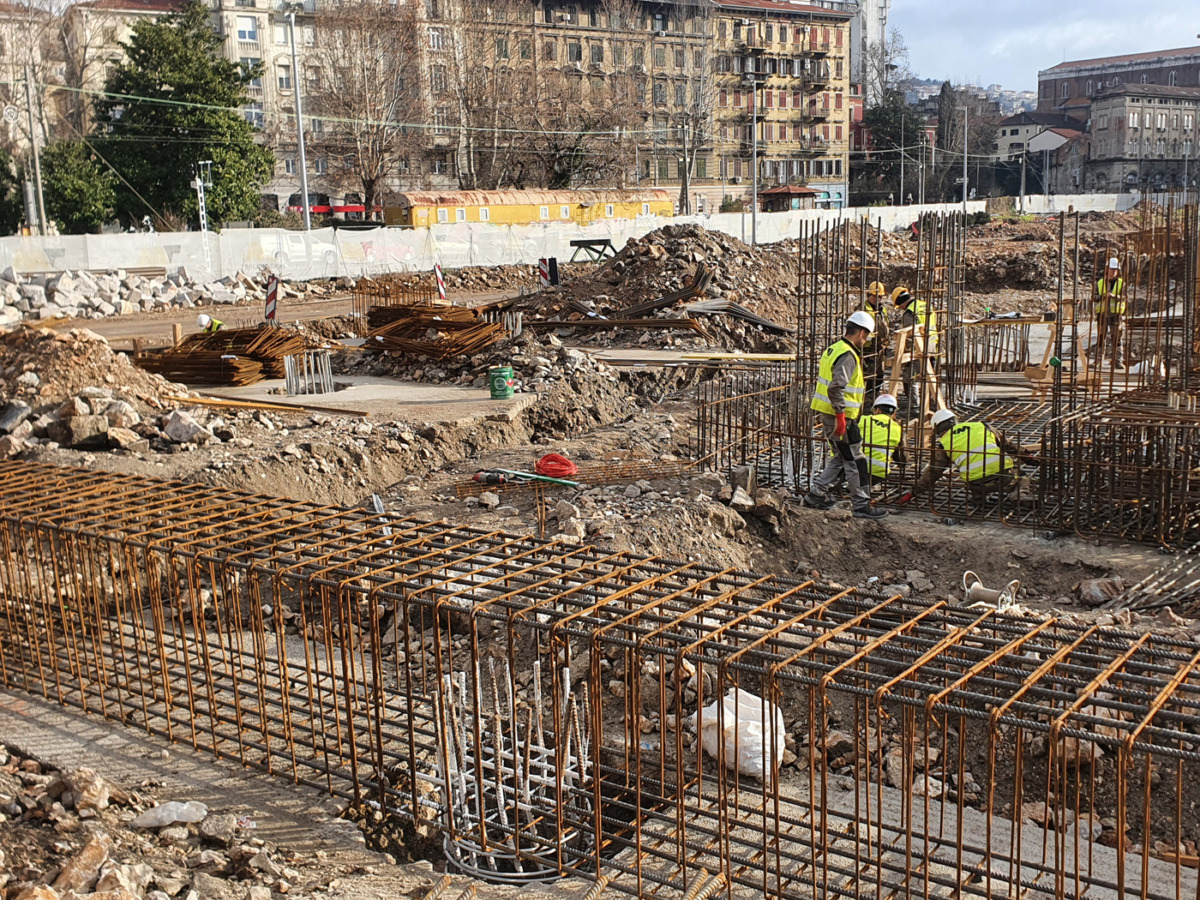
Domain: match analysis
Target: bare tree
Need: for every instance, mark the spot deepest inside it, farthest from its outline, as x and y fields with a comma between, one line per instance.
x=695, y=117
x=364, y=89
x=886, y=68
x=31, y=38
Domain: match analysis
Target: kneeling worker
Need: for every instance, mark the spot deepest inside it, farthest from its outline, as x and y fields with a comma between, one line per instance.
x=986, y=461
x=208, y=324
x=881, y=437
x=838, y=401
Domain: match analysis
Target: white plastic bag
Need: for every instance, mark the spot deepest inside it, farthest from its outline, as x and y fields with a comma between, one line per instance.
x=745, y=727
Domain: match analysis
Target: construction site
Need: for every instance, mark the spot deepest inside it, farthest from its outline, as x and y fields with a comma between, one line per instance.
x=475, y=586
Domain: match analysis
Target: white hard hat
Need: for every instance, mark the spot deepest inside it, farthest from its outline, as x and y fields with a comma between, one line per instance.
x=942, y=415
x=203, y=319
x=862, y=320
x=887, y=400
x=1114, y=263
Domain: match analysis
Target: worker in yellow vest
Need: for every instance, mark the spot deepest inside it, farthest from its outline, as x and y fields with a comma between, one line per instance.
x=1110, y=311
x=208, y=324
x=916, y=312
x=838, y=401
x=875, y=350
x=882, y=435
x=984, y=459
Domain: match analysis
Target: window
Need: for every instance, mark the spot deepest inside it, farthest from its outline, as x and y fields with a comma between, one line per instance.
x=1142, y=79
x=797, y=99
x=770, y=33
x=722, y=31
x=501, y=48
x=460, y=215
x=837, y=98
x=1187, y=121
x=1161, y=122
x=597, y=53
x=1089, y=87
x=663, y=170
x=680, y=93
x=698, y=59
x=783, y=34
x=702, y=168
x=436, y=39
x=1175, y=122
x=247, y=29
x=660, y=93
x=608, y=210
x=281, y=36
x=443, y=216
x=574, y=52
x=1172, y=79
x=768, y=99
x=248, y=63
x=289, y=165
x=1133, y=120
x=437, y=79
x=548, y=15
x=431, y=9
x=485, y=214
x=618, y=54
x=837, y=132
x=285, y=78
x=723, y=98
x=1064, y=90
x=441, y=120
x=737, y=31
x=437, y=166
x=308, y=35
x=737, y=98
x=839, y=37
x=544, y=213
x=317, y=126
x=639, y=55
x=659, y=22
x=550, y=51
x=660, y=56
x=249, y=3
x=253, y=113
x=320, y=165
x=526, y=49
x=645, y=209
x=594, y=18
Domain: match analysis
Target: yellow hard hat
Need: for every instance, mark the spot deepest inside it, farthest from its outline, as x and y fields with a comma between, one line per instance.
x=877, y=289
x=900, y=295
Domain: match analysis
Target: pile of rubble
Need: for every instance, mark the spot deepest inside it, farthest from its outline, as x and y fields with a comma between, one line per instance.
x=480, y=279
x=77, y=836
x=90, y=295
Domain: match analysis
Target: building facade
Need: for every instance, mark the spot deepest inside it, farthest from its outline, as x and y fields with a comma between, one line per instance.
x=1143, y=137
x=1015, y=132
x=1070, y=87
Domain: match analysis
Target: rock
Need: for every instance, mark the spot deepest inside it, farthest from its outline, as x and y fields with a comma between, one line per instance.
x=258, y=892
x=80, y=432
x=11, y=445
x=29, y=379
x=727, y=522
x=174, y=834
x=13, y=414
x=220, y=829
x=490, y=499
x=919, y=581
x=39, y=892
x=1093, y=592
x=210, y=888
x=744, y=477
x=121, y=414
x=183, y=429
x=767, y=504
x=90, y=790
x=169, y=813
x=562, y=510
x=75, y=406
x=263, y=863
x=741, y=501
x=81, y=872
x=838, y=743
x=507, y=511
x=129, y=878
x=927, y=786
x=632, y=492
x=572, y=527
x=124, y=439
x=35, y=294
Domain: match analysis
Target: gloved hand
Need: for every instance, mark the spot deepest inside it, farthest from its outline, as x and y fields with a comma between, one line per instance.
x=904, y=498
x=840, y=431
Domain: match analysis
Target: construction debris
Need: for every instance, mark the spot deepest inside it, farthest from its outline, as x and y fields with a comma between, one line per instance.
x=431, y=331
x=238, y=356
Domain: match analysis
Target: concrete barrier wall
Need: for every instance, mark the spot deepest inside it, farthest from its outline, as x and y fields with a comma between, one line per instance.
x=1039, y=204
x=329, y=253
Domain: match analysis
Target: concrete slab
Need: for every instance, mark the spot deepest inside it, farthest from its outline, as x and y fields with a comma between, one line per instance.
x=390, y=399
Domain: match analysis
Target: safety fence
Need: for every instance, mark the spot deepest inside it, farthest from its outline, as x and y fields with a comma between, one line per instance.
x=668, y=729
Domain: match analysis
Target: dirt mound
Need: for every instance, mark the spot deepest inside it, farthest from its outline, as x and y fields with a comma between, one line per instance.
x=45, y=367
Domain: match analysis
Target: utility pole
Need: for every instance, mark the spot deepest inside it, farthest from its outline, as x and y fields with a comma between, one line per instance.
x=33, y=146
x=1046, y=175
x=300, y=126
x=754, y=162
x=1021, y=204
x=966, y=144
x=901, y=194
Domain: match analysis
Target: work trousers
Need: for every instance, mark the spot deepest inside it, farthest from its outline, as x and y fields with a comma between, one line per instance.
x=981, y=488
x=1110, y=329
x=847, y=459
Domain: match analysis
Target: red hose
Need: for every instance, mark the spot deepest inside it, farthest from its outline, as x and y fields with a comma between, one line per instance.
x=554, y=466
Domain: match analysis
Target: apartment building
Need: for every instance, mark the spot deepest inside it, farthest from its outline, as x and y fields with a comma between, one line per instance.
x=783, y=97
x=1070, y=87
x=1014, y=132
x=1143, y=137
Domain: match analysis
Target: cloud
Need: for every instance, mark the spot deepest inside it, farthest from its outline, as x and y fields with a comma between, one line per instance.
x=1008, y=41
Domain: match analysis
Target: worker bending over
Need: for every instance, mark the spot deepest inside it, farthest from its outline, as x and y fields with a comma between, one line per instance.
x=208, y=324
x=985, y=460
x=875, y=349
x=916, y=312
x=838, y=401
x=1110, y=308
x=882, y=435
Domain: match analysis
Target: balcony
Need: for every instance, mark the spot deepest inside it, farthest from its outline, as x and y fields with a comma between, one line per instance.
x=815, y=114
x=811, y=146
x=815, y=79
x=746, y=148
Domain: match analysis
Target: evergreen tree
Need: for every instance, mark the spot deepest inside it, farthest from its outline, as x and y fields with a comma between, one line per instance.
x=80, y=192
x=12, y=207
x=172, y=103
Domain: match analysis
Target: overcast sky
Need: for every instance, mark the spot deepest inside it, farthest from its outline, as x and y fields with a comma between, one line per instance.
x=1006, y=42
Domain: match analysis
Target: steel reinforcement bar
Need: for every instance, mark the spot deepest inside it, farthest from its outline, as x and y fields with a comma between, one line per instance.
x=544, y=708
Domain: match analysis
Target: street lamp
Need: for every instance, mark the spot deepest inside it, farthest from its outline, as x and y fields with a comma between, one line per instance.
x=291, y=15
x=965, y=145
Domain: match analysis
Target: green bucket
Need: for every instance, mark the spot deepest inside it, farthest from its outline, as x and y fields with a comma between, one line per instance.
x=500, y=380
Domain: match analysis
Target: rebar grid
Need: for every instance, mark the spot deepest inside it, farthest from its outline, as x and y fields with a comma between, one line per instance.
x=530, y=700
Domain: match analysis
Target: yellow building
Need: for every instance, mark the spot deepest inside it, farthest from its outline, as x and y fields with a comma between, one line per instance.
x=420, y=209
x=783, y=96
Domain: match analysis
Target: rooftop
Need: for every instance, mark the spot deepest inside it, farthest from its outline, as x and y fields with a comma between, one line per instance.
x=784, y=8
x=1152, y=90
x=1182, y=52
x=150, y=6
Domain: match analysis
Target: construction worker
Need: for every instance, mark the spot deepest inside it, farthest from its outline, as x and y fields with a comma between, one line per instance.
x=838, y=401
x=986, y=461
x=874, y=351
x=208, y=324
x=916, y=312
x=1110, y=308
x=881, y=438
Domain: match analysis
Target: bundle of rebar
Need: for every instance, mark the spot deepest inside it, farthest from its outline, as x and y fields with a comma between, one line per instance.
x=203, y=367
x=435, y=332
x=236, y=356
x=561, y=709
x=369, y=294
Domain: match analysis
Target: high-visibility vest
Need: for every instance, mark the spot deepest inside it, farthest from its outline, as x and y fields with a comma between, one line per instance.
x=855, y=390
x=880, y=438
x=214, y=326
x=975, y=451
x=1112, y=303
x=919, y=310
